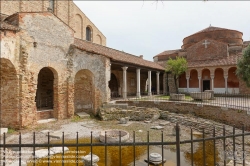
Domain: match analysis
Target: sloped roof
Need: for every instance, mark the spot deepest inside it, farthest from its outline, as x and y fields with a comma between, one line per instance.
x=115, y=54
x=230, y=60
x=168, y=52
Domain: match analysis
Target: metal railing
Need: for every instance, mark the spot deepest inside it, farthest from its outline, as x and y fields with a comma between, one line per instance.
x=237, y=101
x=177, y=143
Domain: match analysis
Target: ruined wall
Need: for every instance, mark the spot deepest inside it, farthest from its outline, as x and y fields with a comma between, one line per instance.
x=66, y=10
x=228, y=116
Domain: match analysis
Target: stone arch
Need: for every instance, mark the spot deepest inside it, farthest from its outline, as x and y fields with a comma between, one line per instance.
x=99, y=39
x=84, y=96
x=89, y=33
x=114, y=86
x=206, y=80
x=219, y=81
x=10, y=115
x=47, y=93
x=182, y=80
x=232, y=81
x=78, y=26
x=193, y=80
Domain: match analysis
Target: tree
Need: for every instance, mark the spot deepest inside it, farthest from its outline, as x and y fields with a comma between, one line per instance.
x=176, y=67
x=243, y=66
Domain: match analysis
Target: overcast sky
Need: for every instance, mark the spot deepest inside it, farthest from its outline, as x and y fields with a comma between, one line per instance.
x=148, y=28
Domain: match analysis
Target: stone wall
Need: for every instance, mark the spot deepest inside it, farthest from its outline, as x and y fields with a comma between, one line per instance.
x=66, y=10
x=228, y=116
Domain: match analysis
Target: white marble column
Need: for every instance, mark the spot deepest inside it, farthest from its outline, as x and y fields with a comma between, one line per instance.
x=158, y=82
x=200, y=84
x=187, y=83
x=212, y=82
x=124, y=89
x=138, y=83
x=226, y=89
x=149, y=83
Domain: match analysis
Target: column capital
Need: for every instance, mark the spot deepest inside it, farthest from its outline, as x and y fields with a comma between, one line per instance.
x=225, y=76
x=212, y=76
x=124, y=68
x=187, y=78
x=158, y=72
x=199, y=78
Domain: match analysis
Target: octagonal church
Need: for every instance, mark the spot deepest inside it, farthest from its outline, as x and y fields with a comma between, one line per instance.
x=212, y=55
x=55, y=63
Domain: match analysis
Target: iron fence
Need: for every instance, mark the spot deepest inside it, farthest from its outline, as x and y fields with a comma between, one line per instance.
x=237, y=101
x=177, y=144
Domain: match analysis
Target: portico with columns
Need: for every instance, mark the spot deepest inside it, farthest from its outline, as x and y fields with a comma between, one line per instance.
x=135, y=80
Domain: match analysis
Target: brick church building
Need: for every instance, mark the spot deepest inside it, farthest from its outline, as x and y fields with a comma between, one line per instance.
x=212, y=55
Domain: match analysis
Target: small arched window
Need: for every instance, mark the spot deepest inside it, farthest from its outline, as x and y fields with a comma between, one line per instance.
x=52, y=4
x=88, y=34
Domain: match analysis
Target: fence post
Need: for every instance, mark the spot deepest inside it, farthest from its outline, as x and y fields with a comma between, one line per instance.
x=177, y=129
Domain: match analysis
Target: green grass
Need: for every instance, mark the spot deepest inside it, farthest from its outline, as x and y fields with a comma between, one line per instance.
x=76, y=118
x=11, y=130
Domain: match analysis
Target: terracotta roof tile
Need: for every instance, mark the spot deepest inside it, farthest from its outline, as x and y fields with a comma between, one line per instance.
x=168, y=52
x=230, y=60
x=115, y=54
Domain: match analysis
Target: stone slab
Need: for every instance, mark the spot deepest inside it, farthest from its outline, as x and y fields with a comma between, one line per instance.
x=46, y=120
x=56, y=150
x=164, y=123
x=83, y=115
x=3, y=130
x=157, y=127
x=127, y=124
x=57, y=135
x=42, y=153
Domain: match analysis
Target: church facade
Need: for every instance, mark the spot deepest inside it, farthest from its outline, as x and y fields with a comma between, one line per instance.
x=54, y=63
x=212, y=55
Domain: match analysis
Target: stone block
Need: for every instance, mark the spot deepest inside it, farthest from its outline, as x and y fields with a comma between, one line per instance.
x=3, y=130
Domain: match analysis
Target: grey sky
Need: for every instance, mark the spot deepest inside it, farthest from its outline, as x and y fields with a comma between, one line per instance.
x=149, y=28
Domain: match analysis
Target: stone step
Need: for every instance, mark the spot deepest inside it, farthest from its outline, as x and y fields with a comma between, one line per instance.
x=46, y=120
x=82, y=115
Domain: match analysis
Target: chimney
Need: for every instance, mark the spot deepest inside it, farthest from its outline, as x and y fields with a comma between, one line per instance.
x=141, y=56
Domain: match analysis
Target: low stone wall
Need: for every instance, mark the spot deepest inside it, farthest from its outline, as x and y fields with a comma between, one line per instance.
x=46, y=114
x=224, y=115
x=133, y=113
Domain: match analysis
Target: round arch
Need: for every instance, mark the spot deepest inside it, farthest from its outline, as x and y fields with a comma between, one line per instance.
x=183, y=80
x=219, y=78
x=193, y=80
x=206, y=83
x=233, y=81
x=114, y=86
x=84, y=96
x=9, y=94
x=89, y=33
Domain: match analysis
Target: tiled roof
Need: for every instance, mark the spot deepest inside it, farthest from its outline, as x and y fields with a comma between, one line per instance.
x=230, y=60
x=115, y=54
x=168, y=52
x=6, y=26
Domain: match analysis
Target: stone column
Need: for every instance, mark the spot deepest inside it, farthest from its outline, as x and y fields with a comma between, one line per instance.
x=158, y=82
x=226, y=89
x=138, y=83
x=149, y=83
x=124, y=89
x=212, y=82
x=200, y=84
x=164, y=83
x=187, y=83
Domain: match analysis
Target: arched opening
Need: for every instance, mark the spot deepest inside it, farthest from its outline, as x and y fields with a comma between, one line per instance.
x=88, y=34
x=233, y=81
x=193, y=80
x=52, y=5
x=114, y=86
x=182, y=81
x=45, y=90
x=99, y=39
x=9, y=94
x=84, y=95
x=206, y=80
x=78, y=26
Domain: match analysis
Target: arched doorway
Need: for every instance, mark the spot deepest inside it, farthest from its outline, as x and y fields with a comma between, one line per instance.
x=45, y=90
x=84, y=95
x=219, y=81
x=113, y=86
x=233, y=81
x=206, y=80
x=193, y=81
x=9, y=94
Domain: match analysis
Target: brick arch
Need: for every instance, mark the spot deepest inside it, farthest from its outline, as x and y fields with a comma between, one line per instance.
x=219, y=81
x=78, y=26
x=193, y=80
x=47, y=93
x=99, y=38
x=205, y=74
x=9, y=94
x=182, y=80
x=89, y=33
x=232, y=81
x=84, y=96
